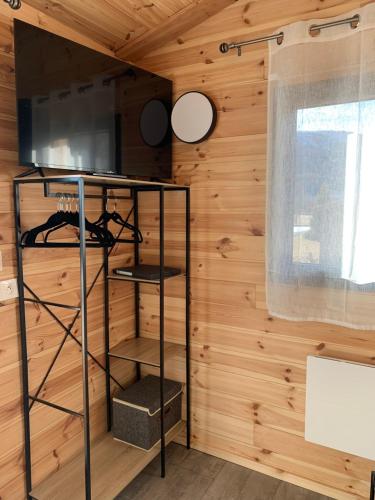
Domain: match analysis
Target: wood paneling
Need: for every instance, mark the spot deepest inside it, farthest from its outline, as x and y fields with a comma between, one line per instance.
x=42, y=20
x=133, y=27
x=169, y=29
x=248, y=369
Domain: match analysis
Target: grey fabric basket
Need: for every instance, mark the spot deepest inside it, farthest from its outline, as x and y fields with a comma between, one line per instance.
x=136, y=411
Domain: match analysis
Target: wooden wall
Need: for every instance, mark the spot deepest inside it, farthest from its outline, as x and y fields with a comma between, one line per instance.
x=248, y=368
x=53, y=275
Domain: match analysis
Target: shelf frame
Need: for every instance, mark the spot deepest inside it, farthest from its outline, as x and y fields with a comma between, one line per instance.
x=144, y=350
x=79, y=182
x=143, y=280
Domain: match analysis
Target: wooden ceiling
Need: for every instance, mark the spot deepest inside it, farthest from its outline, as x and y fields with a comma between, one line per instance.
x=130, y=28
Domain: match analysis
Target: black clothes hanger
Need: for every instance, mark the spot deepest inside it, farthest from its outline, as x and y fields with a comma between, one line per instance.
x=116, y=217
x=64, y=218
x=102, y=235
x=29, y=238
x=55, y=220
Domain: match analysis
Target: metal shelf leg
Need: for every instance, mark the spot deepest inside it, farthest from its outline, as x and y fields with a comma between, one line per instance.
x=25, y=370
x=161, y=237
x=106, y=324
x=85, y=370
x=136, y=284
x=187, y=318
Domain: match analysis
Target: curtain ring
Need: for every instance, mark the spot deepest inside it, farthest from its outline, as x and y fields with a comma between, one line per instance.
x=280, y=38
x=355, y=21
x=66, y=202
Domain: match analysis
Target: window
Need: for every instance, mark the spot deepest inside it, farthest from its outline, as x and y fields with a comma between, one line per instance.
x=321, y=174
x=334, y=166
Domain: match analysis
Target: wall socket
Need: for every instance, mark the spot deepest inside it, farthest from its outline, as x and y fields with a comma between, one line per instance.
x=8, y=289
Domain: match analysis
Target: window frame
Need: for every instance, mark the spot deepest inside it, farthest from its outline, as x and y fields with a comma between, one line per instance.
x=314, y=273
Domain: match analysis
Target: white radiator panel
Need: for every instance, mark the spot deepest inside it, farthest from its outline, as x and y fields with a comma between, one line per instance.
x=340, y=405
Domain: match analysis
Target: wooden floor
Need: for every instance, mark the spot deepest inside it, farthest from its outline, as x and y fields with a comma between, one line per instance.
x=195, y=475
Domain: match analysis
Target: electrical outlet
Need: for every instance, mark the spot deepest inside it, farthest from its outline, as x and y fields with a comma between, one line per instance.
x=8, y=289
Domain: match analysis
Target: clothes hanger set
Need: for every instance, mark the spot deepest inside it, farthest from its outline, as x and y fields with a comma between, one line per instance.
x=98, y=231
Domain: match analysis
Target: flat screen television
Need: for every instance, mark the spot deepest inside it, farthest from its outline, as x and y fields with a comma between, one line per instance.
x=81, y=110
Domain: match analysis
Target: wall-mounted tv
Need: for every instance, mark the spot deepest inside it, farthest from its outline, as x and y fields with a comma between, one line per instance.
x=81, y=110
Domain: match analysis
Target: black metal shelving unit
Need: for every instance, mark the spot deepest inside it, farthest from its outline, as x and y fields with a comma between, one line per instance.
x=106, y=185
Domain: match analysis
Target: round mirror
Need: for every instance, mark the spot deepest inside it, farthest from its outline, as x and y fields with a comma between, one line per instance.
x=193, y=117
x=154, y=123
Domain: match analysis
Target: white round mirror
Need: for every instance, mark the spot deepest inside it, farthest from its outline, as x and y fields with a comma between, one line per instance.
x=193, y=117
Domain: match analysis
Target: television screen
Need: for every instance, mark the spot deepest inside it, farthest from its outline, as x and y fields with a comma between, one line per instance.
x=81, y=110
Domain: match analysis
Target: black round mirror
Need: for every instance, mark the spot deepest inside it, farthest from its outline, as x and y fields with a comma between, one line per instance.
x=154, y=122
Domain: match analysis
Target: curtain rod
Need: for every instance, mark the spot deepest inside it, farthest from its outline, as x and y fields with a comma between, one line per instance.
x=314, y=30
x=225, y=47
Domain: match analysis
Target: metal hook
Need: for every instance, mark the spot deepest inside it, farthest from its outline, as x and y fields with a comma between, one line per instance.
x=66, y=202
x=69, y=202
x=59, y=204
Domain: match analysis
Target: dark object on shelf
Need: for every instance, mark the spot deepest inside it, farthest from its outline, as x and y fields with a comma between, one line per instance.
x=146, y=272
x=136, y=411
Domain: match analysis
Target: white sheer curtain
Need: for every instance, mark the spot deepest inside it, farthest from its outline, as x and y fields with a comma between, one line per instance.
x=321, y=173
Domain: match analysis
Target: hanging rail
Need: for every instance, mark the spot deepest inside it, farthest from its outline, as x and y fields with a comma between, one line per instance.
x=314, y=30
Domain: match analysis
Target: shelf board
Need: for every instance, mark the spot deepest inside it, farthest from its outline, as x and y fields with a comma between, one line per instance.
x=146, y=351
x=113, y=466
x=98, y=180
x=141, y=280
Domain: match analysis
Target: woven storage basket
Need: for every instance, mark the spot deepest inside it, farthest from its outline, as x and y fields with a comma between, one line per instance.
x=136, y=411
